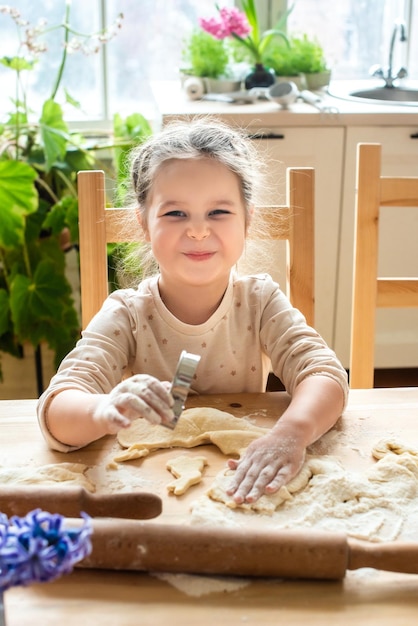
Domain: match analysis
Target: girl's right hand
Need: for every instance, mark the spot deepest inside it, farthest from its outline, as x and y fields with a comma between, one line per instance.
x=138, y=396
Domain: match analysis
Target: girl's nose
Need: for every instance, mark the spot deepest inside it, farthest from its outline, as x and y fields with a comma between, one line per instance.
x=198, y=231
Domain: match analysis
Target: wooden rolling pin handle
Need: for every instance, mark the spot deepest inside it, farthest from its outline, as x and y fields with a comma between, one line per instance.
x=70, y=501
x=394, y=556
x=142, y=546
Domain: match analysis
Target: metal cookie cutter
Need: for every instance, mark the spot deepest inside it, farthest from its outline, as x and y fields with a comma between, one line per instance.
x=180, y=386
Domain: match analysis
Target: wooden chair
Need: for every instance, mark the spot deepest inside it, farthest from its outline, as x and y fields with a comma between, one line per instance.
x=369, y=289
x=99, y=225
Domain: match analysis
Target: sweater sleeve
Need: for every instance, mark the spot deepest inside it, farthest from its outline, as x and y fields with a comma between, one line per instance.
x=296, y=349
x=98, y=362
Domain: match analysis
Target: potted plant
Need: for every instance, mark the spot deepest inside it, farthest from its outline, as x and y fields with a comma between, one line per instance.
x=304, y=57
x=39, y=160
x=311, y=61
x=282, y=59
x=243, y=27
x=207, y=58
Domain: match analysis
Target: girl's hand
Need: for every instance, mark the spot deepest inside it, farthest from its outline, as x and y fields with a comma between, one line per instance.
x=269, y=463
x=138, y=396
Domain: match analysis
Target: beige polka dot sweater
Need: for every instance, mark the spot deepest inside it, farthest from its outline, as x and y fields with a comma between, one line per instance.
x=255, y=329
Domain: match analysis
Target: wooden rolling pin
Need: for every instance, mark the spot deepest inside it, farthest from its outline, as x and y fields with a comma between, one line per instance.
x=70, y=501
x=152, y=546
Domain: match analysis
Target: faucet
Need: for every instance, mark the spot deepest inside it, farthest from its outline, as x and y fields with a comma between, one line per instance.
x=377, y=70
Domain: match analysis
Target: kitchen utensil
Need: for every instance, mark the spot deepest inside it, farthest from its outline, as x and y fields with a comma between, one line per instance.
x=243, y=96
x=317, y=102
x=302, y=553
x=284, y=93
x=194, y=88
x=182, y=380
x=70, y=501
x=287, y=93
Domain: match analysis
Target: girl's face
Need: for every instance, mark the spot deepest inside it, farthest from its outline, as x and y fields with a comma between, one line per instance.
x=196, y=221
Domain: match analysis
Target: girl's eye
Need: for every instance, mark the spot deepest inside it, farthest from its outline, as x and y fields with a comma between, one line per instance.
x=217, y=212
x=176, y=213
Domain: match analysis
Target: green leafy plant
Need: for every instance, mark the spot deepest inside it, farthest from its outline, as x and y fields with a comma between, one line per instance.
x=39, y=160
x=302, y=56
x=128, y=132
x=308, y=54
x=205, y=56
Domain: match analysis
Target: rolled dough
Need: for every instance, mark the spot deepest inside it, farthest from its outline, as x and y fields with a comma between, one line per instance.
x=196, y=427
x=63, y=473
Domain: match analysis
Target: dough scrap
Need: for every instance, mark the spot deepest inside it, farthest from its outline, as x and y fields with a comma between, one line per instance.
x=384, y=446
x=267, y=504
x=196, y=427
x=62, y=473
x=327, y=490
x=188, y=471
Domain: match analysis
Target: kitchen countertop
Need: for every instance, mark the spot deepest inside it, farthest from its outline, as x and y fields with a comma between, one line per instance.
x=172, y=103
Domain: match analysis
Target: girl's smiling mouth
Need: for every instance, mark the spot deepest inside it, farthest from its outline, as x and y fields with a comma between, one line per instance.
x=197, y=255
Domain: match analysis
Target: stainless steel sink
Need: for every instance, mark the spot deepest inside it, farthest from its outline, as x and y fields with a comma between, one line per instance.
x=388, y=94
x=368, y=92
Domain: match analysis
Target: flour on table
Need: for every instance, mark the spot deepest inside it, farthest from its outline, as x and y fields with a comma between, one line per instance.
x=62, y=473
x=197, y=586
x=380, y=504
x=188, y=471
x=196, y=427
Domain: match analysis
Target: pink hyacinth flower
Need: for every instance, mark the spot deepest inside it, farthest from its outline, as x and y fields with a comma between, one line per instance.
x=232, y=21
x=214, y=27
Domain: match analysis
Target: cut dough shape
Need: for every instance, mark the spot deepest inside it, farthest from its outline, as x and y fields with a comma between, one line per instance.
x=62, y=473
x=196, y=427
x=188, y=471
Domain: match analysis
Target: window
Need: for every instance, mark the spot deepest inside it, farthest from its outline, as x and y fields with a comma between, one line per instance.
x=149, y=47
x=355, y=35
x=83, y=76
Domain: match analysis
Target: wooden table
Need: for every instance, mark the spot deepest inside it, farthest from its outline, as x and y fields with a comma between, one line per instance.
x=110, y=598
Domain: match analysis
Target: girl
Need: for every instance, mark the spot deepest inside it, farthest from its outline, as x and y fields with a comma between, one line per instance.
x=194, y=186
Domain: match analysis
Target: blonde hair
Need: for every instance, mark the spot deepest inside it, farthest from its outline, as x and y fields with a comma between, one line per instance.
x=196, y=139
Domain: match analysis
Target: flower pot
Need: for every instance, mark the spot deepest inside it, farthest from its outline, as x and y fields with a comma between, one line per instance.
x=259, y=76
x=220, y=85
x=318, y=80
x=298, y=79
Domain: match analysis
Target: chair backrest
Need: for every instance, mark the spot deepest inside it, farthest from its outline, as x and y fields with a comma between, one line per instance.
x=369, y=289
x=100, y=225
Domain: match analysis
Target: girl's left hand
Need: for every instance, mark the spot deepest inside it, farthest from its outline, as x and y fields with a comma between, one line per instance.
x=269, y=463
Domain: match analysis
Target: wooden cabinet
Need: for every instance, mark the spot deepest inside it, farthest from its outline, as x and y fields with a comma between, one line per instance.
x=321, y=148
x=396, y=330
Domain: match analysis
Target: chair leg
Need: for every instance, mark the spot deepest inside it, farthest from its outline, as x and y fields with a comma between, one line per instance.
x=38, y=370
